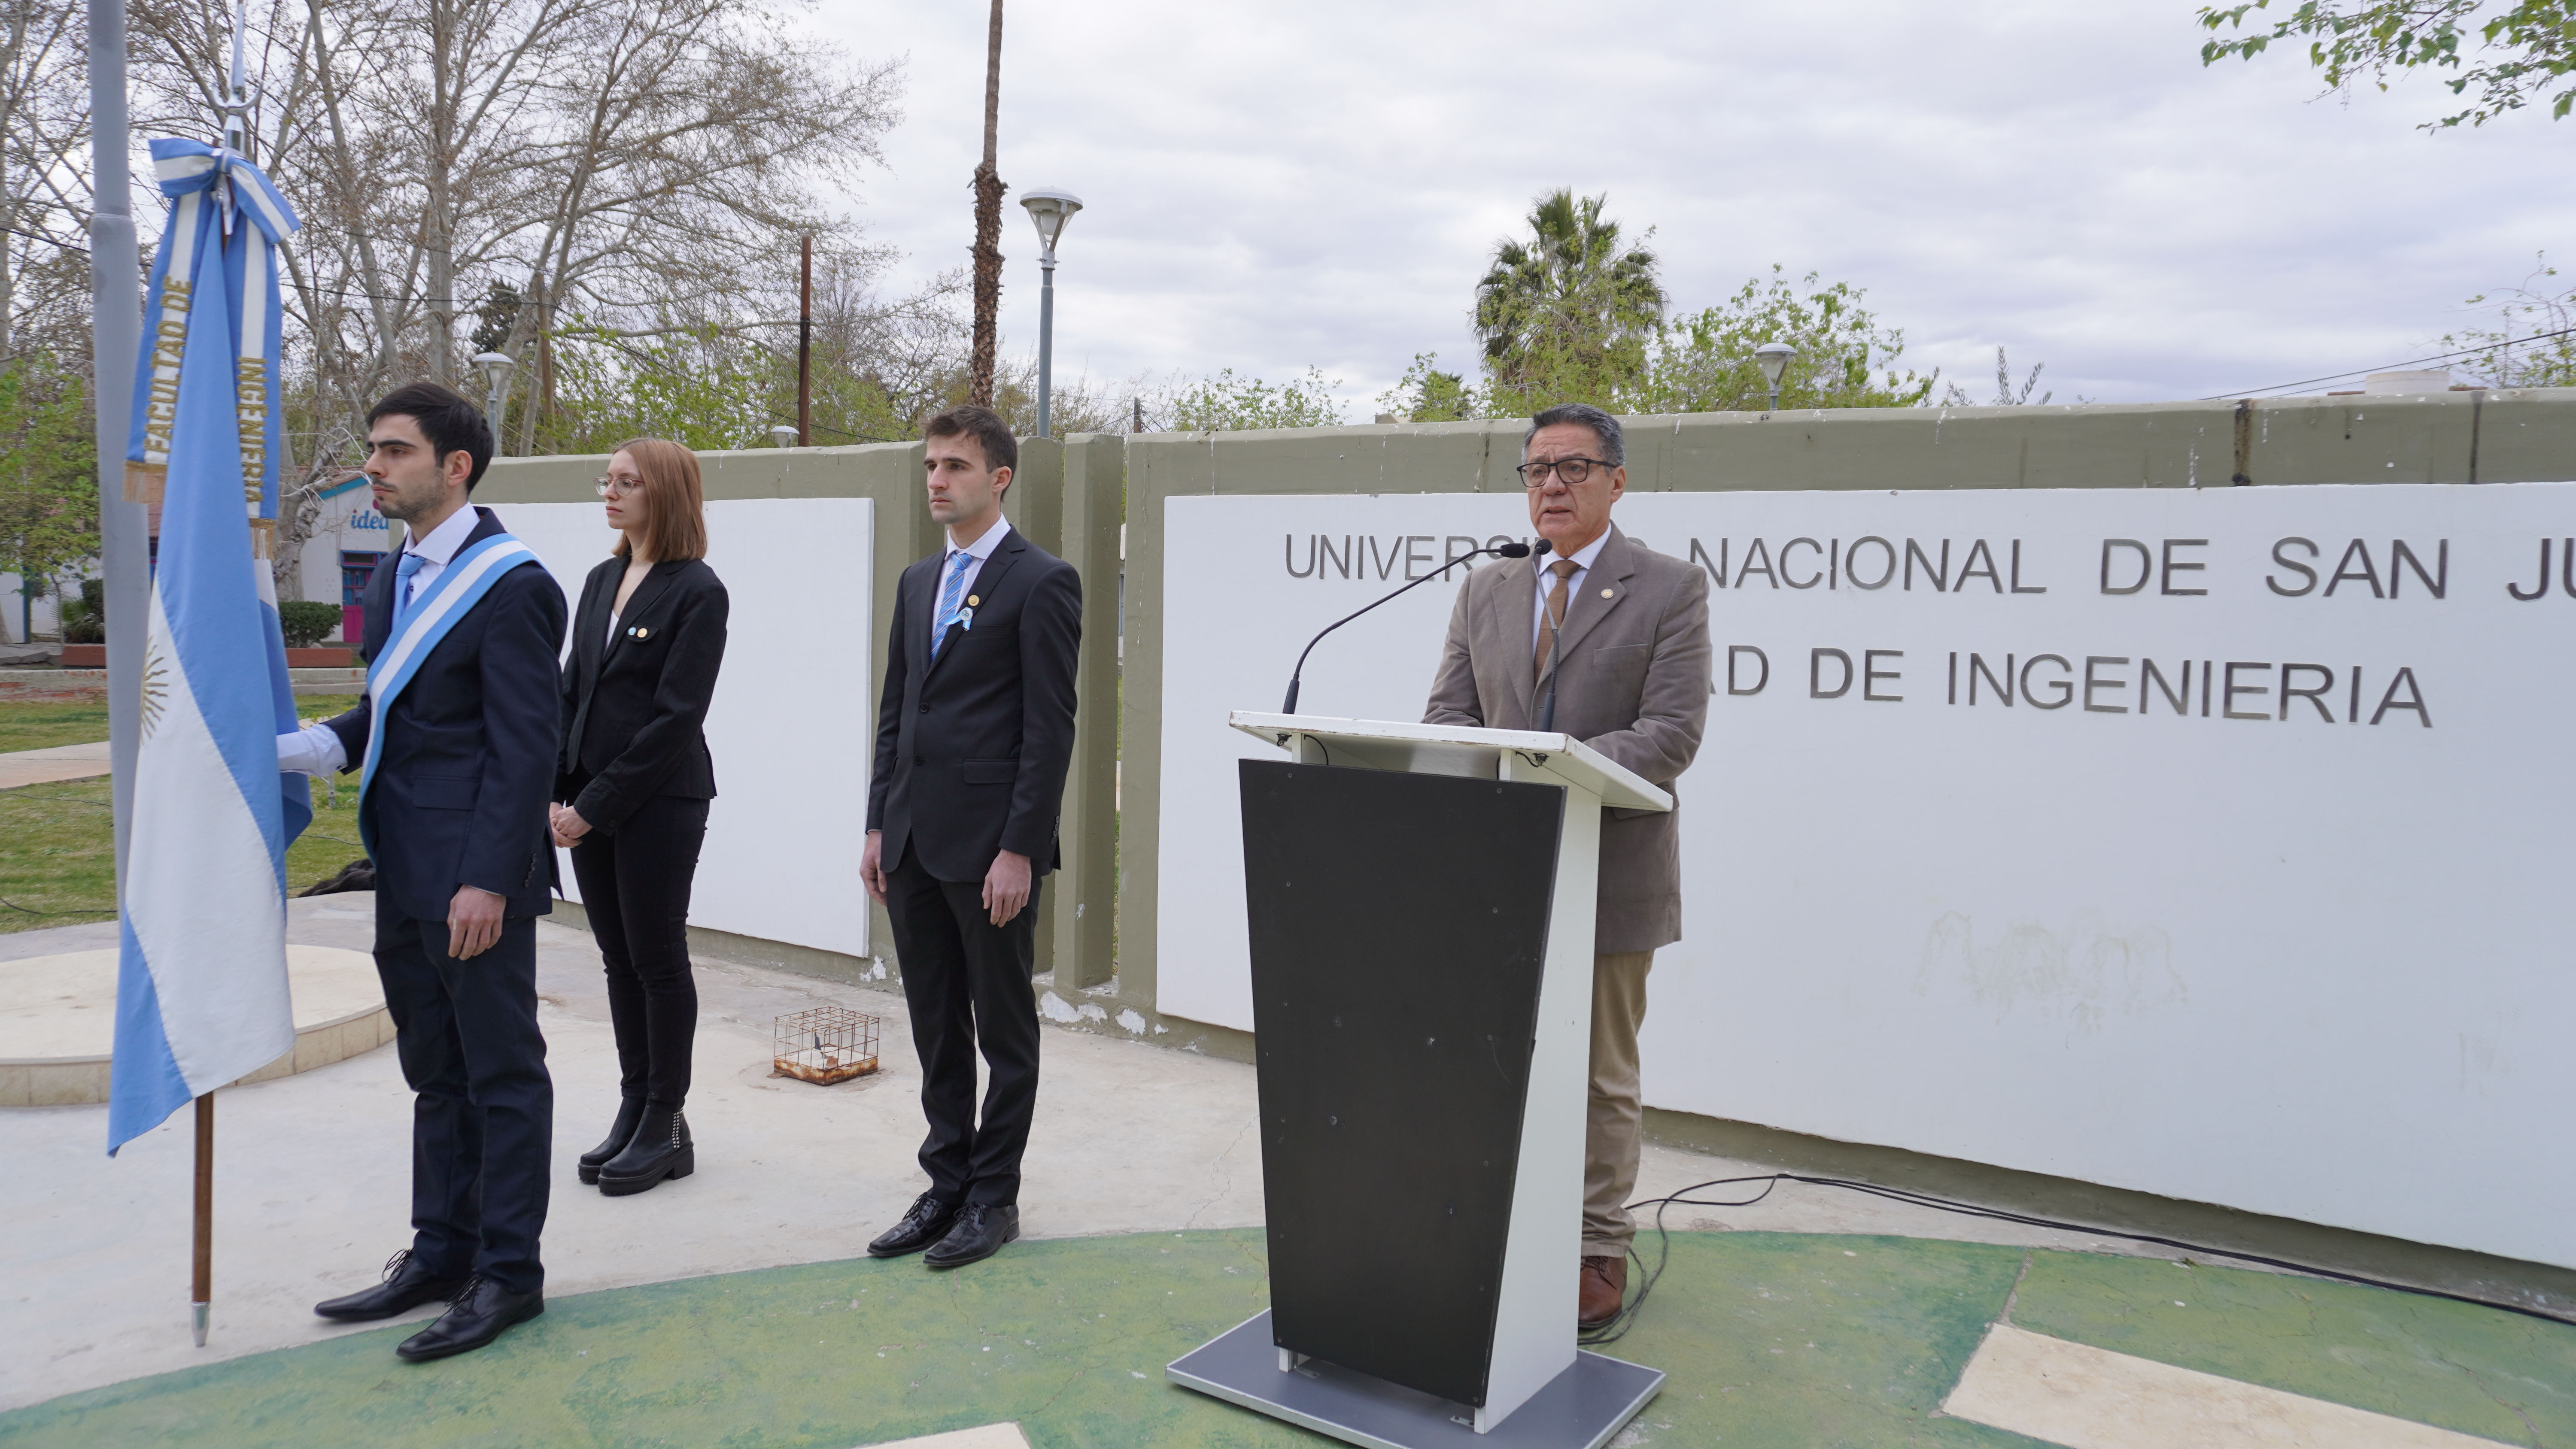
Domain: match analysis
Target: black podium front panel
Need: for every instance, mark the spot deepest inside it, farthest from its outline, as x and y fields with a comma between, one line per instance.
x=1398, y=930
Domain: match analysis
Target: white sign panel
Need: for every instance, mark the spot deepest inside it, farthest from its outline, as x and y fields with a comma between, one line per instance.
x=781, y=860
x=2208, y=843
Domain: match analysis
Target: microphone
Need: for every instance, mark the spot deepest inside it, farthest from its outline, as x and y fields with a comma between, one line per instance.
x=1297, y=676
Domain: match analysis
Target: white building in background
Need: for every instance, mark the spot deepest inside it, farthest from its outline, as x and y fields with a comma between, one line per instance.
x=348, y=540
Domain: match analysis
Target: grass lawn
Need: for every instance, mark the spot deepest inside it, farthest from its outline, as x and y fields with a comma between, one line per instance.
x=42, y=726
x=57, y=842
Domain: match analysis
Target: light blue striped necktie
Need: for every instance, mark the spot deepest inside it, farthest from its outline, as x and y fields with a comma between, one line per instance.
x=948, y=611
x=403, y=570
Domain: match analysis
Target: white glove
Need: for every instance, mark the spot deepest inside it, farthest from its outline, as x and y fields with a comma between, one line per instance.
x=312, y=750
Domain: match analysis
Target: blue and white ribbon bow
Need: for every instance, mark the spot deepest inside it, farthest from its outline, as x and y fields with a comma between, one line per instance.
x=211, y=189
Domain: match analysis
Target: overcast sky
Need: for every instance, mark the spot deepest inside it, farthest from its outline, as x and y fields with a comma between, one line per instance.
x=1273, y=187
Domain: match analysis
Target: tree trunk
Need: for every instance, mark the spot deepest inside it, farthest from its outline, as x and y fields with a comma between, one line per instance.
x=988, y=226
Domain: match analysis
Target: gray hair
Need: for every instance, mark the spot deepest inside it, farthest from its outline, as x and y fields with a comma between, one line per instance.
x=1614, y=447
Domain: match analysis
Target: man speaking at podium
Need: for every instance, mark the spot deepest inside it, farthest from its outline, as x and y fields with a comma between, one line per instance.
x=1618, y=635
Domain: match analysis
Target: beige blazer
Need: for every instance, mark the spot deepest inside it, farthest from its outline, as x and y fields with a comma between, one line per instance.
x=1635, y=687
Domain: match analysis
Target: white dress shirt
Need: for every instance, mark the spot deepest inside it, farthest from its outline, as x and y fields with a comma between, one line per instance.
x=980, y=550
x=316, y=749
x=1546, y=564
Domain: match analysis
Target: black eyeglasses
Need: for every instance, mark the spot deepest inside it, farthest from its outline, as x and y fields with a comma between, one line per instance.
x=1572, y=470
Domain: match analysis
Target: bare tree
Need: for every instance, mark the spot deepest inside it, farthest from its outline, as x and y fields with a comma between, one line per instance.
x=636, y=164
x=988, y=225
x=44, y=183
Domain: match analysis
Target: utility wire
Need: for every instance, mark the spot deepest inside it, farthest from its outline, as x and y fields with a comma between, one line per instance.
x=2391, y=366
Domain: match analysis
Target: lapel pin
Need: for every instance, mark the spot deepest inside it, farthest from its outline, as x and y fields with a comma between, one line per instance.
x=973, y=602
x=643, y=633
x=1605, y=593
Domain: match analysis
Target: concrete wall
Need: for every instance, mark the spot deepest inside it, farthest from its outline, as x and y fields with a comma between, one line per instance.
x=1112, y=849
x=1055, y=482
x=2461, y=437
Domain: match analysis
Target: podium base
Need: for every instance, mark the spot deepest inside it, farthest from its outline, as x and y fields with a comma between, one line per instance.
x=1580, y=1408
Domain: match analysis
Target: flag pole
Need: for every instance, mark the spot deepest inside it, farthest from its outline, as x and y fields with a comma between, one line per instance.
x=201, y=1267
x=201, y=1276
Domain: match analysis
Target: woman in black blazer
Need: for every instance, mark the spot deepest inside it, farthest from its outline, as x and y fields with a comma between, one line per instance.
x=633, y=782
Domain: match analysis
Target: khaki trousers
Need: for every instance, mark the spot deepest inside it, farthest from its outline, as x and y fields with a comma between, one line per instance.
x=1616, y=1111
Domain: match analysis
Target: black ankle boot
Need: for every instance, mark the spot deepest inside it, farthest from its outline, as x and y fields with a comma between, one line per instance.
x=630, y=1113
x=661, y=1148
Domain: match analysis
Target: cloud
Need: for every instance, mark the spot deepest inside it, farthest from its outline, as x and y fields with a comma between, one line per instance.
x=1270, y=188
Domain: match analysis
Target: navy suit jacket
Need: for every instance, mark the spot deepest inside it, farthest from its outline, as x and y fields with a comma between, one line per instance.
x=468, y=762
x=972, y=747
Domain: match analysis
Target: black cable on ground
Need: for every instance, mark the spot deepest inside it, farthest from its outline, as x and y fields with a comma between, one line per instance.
x=1617, y=1328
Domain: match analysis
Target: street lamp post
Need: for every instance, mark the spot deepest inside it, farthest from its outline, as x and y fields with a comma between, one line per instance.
x=496, y=368
x=1774, y=358
x=1050, y=208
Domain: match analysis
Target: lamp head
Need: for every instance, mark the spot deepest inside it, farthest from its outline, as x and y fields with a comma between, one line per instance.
x=1774, y=358
x=782, y=436
x=1050, y=207
x=496, y=368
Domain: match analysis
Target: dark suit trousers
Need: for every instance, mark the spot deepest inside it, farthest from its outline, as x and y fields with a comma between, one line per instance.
x=482, y=1125
x=967, y=982
x=635, y=889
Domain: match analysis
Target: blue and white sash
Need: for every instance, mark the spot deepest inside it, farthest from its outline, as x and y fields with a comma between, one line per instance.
x=450, y=596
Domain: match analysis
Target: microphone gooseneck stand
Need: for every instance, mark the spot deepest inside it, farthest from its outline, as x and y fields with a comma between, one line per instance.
x=1297, y=676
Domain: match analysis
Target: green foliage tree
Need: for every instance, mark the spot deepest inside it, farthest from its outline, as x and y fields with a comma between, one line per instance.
x=2525, y=49
x=1846, y=357
x=1225, y=402
x=2534, y=343
x=1571, y=299
x=48, y=472
x=1701, y=362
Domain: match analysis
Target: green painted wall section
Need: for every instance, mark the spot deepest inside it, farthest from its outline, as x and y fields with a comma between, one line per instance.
x=1767, y=1338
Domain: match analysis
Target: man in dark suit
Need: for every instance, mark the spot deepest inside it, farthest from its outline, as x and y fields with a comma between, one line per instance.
x=457, y=734
x=974, y=734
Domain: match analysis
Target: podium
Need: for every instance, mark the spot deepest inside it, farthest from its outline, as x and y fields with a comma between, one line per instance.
x=1420, y=902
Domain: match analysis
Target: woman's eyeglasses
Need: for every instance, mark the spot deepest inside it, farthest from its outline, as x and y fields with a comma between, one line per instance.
x=617, y=487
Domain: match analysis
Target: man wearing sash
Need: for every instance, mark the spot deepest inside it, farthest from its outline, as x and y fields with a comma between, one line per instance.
x=456, y=736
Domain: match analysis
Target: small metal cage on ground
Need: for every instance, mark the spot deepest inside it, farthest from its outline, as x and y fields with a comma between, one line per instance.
x=828, y=1044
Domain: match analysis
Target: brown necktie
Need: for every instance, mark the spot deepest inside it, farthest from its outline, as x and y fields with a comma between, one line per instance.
x=1555, y=619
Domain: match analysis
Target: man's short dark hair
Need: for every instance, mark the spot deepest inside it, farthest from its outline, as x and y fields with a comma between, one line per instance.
x=986, y=427
x=1614, y=446
x=450, y=423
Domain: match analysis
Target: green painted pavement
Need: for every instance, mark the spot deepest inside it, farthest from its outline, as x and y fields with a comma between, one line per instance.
x=1768, y=1338
x=2479, y=1371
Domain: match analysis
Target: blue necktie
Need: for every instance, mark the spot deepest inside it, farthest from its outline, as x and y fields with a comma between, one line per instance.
x=403, y=571
x=948, y=599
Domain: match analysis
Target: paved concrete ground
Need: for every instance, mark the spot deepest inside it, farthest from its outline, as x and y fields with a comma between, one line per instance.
x=1130, y=1139
x=47, y=766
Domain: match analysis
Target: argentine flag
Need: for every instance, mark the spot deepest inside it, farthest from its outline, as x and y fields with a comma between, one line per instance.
x=201, y=996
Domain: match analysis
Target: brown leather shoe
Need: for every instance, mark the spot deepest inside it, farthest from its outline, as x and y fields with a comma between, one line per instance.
x=1604, y=1287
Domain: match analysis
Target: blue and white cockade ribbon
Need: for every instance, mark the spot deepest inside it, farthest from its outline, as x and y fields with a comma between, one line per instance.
x=210, y=189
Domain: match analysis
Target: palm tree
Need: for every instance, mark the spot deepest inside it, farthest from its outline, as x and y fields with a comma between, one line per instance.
x=988, y=227
x=1570, y=293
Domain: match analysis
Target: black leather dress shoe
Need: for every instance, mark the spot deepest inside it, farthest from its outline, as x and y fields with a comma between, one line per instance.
x=981, y=1231
x=927, y=1222
x=407, y=1285
x=630, y=1115
x=481, y=1310
x=661, y=1148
